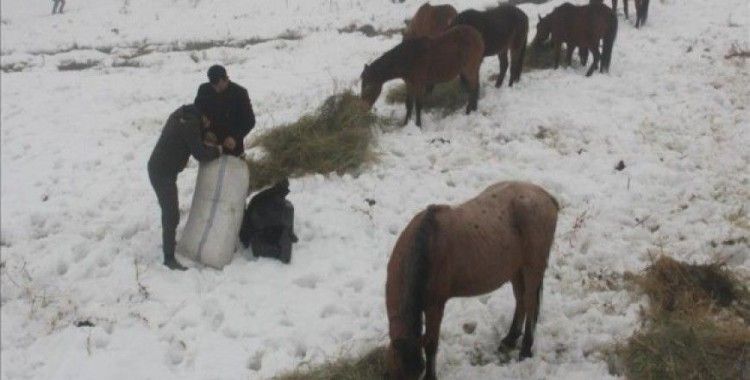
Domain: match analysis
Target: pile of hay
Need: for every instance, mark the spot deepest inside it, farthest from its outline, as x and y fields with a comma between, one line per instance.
x=540, y=57
x=336, y=138
x=677, y=348
x=675, y=286
x=370, y=366
x=445, y=97
x=697, y=325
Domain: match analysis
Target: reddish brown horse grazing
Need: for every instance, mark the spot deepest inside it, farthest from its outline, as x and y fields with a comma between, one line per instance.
x=504, y=234
x=430, y=21
x=583, y=27
x=425, y=61
x=503, y=29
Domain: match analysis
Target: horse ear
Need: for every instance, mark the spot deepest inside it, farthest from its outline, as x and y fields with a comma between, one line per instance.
x=540, y=17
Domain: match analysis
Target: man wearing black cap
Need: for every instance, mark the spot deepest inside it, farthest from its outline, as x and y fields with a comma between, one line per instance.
x=180, y=138
x=228, y=107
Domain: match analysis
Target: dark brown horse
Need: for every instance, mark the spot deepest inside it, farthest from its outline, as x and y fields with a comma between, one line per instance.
x=425, y=61
x=430, y=21
x=504, y=234
x=582, y=27
x=503, y=29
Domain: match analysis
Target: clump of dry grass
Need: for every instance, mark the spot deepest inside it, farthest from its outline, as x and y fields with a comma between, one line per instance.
x=370, y=366
x=336, y=138
x=675, y=286
x=73, y=65
x=684, y=348
x=445, y=97
x=697, y=326
x=539, y=57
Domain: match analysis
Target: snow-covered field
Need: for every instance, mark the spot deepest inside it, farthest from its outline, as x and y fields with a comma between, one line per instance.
x=80, y=223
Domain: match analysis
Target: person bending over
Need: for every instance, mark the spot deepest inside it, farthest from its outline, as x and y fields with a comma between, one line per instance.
x=180, y=138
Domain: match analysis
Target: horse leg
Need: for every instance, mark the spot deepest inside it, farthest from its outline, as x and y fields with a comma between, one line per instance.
x=472, y=87
x=474, y=93
x=569, y=54
x=558, y=46
x=516, y=62
x=409, y=105
x=638, y=13
x=595, y=64
x=583, y=55
x=625, y=8
x=518, y=316
x=418, y=102
x=532, y=281
x=433, y=317
x=503, y=57
x=614, y=6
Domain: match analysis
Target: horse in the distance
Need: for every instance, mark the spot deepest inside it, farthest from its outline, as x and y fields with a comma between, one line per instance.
x=641, y=9
x=583, y=27
x=504, y=29
x=424, y=61
x=430, y=21
x=504, y=234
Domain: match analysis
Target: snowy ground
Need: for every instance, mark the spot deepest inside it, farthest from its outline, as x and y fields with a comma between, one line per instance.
x=80, y=224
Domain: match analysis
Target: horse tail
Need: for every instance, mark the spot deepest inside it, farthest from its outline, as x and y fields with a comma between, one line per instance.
x=416, y=273
x=609, y=41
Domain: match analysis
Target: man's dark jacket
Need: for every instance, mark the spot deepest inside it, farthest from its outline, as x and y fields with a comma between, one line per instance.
x=180, y=138
x=230, y=112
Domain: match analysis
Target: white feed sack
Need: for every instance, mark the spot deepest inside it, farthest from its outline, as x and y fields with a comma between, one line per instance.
x=210, y=235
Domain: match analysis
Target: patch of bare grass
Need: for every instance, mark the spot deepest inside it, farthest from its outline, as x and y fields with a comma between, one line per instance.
x=73, y=65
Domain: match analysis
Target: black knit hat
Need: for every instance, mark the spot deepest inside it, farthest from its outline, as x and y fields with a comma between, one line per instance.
x=215, y=73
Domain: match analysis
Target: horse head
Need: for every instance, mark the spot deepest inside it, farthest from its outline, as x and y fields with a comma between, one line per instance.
x=543, y=30
x=404, y=359
x=371, y=85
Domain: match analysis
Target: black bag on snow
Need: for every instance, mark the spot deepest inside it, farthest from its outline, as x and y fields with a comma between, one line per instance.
x=268, y=223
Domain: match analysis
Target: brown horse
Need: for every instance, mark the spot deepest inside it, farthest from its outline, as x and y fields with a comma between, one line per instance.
x=503, y=29
x=425, y=61
x=430, y=21
x=582, y=27
x=504, y=234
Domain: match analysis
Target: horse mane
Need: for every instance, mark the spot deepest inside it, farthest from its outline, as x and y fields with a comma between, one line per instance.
x=395, y=62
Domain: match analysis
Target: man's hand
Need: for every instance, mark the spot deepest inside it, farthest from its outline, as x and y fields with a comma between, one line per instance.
x=206, y=122
x=211, y=139
x=229, y=143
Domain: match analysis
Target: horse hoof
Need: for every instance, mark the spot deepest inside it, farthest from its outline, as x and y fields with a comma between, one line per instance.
x=506, y=344
x=524, y=355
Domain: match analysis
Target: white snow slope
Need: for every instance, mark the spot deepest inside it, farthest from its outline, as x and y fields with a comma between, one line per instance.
x=81, y=226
